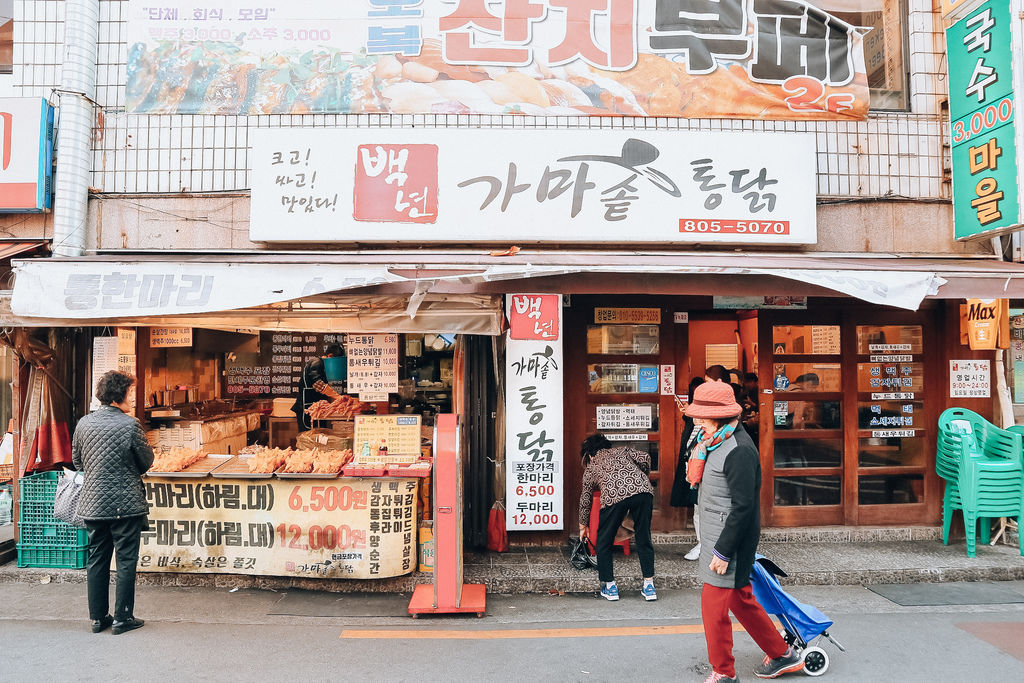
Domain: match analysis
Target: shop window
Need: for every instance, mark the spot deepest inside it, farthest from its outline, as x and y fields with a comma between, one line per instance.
x=622, y=378
x=805, y=339
x=897, y=489
x=880, y=451
x=889, y=339
x=807, y=491
x=884, y=46
x=809, y=377
x=791, y=453
x=623, y=340
x=6, y=36
x=807, y=415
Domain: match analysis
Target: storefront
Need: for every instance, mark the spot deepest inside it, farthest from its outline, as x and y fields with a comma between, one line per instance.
x=239, y=485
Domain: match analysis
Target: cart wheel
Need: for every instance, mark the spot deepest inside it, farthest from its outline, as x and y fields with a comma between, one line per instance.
x=815, y=661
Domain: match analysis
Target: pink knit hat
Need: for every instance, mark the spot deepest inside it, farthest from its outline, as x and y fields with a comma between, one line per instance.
x=714, y=400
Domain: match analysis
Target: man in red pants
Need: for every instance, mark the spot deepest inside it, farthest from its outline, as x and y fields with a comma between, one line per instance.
x=726, y=465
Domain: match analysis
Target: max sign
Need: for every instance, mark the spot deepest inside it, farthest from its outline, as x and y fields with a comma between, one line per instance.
x=26, y=154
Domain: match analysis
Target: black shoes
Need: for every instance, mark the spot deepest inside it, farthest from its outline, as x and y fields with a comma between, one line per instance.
x=129, y=624
x=102, y=624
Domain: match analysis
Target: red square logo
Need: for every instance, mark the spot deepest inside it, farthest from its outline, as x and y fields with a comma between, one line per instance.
x=534, y=316
x=396, y=183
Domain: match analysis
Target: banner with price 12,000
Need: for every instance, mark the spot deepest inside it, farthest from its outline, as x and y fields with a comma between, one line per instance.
x=356, y=528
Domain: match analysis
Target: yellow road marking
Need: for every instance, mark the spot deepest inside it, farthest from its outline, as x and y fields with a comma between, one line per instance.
x=512, y=634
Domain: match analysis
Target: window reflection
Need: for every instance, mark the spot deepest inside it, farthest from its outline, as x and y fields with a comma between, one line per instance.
x=625, y=340
x=808, y=453
x=890, y=451
x=807, y=491
x=897, y=489
x=807, y=415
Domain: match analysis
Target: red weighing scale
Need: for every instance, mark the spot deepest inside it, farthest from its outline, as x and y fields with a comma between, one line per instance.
x=448, y=594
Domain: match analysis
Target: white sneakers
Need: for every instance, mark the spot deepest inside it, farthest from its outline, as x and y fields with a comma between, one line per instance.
x=694, y=553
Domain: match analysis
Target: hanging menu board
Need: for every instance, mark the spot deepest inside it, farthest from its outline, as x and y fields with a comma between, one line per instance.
x=372, y=365
x=277, y=369
x=104, y=359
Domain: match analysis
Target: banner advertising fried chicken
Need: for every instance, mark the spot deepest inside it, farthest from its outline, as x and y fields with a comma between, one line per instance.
x=772, y=59
x=330, y=528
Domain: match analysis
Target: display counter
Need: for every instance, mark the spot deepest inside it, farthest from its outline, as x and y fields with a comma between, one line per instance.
x=281, y=525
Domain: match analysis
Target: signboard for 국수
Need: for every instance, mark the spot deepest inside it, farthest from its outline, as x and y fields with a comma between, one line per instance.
x=983, y=119
x=362, y=184
x=735, y=59
x=342, y=528
x=533, y=413
x=26, y=154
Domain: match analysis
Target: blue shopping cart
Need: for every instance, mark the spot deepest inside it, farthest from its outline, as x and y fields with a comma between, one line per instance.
x=804, y=625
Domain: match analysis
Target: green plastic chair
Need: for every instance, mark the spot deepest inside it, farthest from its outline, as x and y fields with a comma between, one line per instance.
x=983, y=467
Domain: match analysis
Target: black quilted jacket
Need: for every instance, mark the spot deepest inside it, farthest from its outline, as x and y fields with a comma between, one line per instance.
x=111, y=449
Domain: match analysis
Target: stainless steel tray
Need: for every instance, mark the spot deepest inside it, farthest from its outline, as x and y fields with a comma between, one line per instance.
x=196, y=470
x=305, y=475
x=238, y=468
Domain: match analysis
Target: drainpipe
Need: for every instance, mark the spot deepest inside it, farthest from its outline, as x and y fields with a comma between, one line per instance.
x=74, y=133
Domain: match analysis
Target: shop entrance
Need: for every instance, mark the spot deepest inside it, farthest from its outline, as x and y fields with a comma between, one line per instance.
x=848, y=403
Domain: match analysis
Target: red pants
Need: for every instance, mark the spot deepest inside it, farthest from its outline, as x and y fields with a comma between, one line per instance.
x=715, y=605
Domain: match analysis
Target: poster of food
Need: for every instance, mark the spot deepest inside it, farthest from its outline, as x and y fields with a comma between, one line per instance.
x=771, y=59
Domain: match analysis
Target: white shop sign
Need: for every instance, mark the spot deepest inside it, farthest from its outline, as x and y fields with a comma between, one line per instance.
x=533, y=413
x=970, y=379
x=26, y=154
x=347, y=185
x=624, y=417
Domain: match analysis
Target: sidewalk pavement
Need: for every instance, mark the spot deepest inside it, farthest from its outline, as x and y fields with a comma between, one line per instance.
x=811, y=557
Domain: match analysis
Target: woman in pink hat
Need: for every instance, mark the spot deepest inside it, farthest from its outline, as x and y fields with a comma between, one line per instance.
x=726, y=465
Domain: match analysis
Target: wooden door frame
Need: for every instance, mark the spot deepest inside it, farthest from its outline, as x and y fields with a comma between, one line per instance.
x=850, y=512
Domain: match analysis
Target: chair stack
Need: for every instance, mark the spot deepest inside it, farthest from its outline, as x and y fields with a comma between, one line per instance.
x=983, y=467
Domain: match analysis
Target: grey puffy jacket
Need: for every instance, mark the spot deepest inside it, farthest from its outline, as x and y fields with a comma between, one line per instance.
x=111, y=449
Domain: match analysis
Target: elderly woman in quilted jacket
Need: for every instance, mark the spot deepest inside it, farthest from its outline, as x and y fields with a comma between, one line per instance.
x=110, y=447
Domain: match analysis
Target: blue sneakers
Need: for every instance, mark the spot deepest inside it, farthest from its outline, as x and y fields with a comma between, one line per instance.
x=610, y=592
x=648, y=592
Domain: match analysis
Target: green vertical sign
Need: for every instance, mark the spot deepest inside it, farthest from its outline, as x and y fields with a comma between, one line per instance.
x=981, y=113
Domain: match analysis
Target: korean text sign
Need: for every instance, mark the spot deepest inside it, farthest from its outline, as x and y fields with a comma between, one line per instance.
x=372, y=363
x=335, y=528
x=982, y=113
x=779, y=59
x=542, y=185
x=533, y=409
x=970, y=379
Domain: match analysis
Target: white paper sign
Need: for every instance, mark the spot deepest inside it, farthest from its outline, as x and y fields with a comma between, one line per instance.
x=626, y=437
x=892, y=433
x=970, y=379
x=165, y=337
x=624, y=417
x=668, y=380
x=359, y=184
x=104, y=359
x=533, y=413
x=681, y=317
x=890, y=358
x=372, y=364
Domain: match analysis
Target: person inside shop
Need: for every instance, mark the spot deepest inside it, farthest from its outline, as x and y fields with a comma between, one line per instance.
x=622, y=475
x=313, y=386
x=684, y=495
x=726, y=465
x=110, y=448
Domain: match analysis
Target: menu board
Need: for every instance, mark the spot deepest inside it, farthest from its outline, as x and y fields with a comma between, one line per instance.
x=104, y=359
x=624, y=417
x=372, y=365
x=399, y=433
x=825, y=339
x=277, y=369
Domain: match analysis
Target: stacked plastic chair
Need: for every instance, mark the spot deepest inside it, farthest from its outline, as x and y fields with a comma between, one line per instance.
x=984, y=471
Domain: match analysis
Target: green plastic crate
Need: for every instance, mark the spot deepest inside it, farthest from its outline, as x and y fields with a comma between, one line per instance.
x=56, y=558
x=39, y=488
x=36, y=513
x=56, y=534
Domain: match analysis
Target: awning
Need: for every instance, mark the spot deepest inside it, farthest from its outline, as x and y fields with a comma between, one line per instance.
x=148, y=285
x=11, y=248
x=457, y=313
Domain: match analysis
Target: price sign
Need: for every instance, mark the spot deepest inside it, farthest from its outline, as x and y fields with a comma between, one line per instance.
x=167, y=337
x=372, y=364
x=400, y=433
x=533, y=436
x=351, y=528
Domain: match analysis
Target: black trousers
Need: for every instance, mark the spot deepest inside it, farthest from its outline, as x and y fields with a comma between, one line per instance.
x=640, y=507
x=106, y=536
